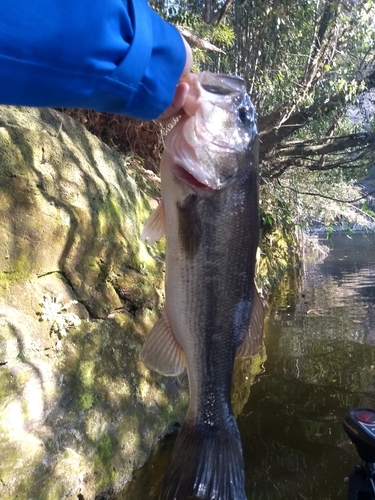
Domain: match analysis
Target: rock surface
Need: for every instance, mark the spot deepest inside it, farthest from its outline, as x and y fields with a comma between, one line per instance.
x=78, y=412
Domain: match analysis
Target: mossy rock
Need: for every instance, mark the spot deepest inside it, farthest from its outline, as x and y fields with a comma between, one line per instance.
x=68, y=204
x=74, y=420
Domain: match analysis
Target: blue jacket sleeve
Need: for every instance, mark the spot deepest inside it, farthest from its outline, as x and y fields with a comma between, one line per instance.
x=116, y=56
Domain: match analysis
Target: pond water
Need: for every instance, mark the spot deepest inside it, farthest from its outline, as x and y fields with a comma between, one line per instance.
x=320, y=347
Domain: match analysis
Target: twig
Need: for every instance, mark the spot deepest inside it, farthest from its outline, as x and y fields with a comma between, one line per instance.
x=325, y=196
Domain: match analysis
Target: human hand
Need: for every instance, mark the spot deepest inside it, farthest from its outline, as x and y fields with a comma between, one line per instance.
x=182, y=88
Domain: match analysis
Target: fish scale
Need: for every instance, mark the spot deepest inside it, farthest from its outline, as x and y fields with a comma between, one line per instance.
x=209, y=211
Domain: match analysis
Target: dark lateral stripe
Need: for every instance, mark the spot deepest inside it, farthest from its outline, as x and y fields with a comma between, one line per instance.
x=189, y=225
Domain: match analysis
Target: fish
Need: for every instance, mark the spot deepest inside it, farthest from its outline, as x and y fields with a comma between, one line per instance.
x=209, y=213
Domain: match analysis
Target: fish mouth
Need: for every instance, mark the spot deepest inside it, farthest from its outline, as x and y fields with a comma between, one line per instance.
x=185, y=176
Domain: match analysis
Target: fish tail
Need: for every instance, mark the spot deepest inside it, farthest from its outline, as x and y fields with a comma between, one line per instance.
x=206, y=464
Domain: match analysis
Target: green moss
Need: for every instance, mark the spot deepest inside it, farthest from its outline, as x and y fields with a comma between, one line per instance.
x=52, y=491
x=85, y=401
x=142, y=211
x=52, y=485
x=114, y=211
x=12, y=467
x=22, y=267
x=86, y=395
x=86, y=371
x=4, y=386
x=9, y=387
x=108, y=213
x=106, y=449
x=11, y=158
x=9, y=456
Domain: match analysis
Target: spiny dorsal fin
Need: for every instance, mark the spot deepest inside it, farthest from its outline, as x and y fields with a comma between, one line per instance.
x=253, y=339
x=154, y=228
x=160, y=352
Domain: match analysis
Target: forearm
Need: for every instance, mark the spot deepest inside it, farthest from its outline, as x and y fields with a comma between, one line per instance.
x=88, y=54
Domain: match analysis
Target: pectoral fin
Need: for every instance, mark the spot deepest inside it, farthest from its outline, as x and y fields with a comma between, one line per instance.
x=161, y=351
x=252, y=341
x=154, y=228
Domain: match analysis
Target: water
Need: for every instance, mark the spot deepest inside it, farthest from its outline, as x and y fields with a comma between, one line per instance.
x=320, y=363
x=320, y=345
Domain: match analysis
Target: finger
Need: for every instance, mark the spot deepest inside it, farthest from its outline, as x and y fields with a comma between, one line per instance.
x=189, y=58
x=178, y=101
x=180, y=95
x=182, y=88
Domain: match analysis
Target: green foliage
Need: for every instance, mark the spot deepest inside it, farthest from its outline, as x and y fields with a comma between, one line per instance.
x=325, y=199
x=306, y=59
x=182, y=17
x=279, y=242
x=220, y=35
x=223, y=36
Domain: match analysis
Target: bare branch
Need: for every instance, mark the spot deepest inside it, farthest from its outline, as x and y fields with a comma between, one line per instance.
x=220, y=14
x=195, y=41
x=325, y=145
x=309, y=193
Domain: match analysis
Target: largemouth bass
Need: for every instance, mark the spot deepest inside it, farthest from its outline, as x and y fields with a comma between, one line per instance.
x=209, y=213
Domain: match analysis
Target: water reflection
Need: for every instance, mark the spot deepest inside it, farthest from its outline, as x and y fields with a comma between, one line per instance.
x=321, y=362
x=319, y=340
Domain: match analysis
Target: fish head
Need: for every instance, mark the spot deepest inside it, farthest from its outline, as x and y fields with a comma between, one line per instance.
x=215, y=141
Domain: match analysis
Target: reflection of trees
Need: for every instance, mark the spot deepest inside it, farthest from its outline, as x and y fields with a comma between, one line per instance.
x=326, y=332
x=293, y=439
x=244, y=373
x=322, y=340
x=292, y=426
x=320, y=363
x=331, y=309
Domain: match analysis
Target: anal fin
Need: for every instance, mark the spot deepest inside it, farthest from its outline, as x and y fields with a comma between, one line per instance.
x=154, y=228
x=161, y=352
x=252, y=341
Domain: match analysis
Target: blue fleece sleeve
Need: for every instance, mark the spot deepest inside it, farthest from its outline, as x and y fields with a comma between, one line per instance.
x=116, y=56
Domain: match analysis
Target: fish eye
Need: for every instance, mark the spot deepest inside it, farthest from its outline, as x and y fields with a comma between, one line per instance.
x=245, y=116
x=216, y=89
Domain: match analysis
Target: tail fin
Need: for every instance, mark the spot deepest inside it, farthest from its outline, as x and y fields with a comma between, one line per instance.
x=206, y=464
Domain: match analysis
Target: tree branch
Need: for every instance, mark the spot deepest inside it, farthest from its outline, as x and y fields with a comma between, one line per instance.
x=308, y=193
x=272, y=133
x=195, y=41
x=325, y=145
x=220, y=14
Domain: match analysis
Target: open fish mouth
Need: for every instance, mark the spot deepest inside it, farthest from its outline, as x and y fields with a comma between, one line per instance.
x=184, y=175
x=219, y=122
x=204, y=181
